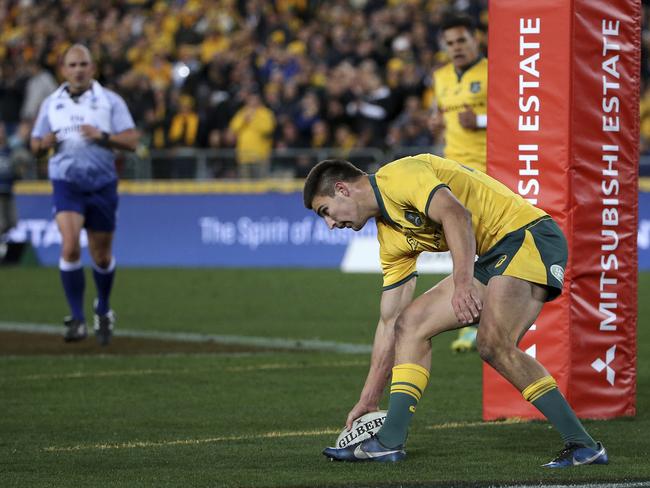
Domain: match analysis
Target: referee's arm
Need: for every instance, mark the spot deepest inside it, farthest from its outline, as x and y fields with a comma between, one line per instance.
x=41, y=145
x=126, y=140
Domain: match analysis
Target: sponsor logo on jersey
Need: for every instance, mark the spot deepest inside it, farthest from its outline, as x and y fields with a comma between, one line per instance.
x=413, y=217
x=558, y=272
x=412, y=242
x=501, y=260
x=475, y=86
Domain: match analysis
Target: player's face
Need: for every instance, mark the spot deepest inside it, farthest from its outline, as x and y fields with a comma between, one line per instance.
x=461, y=45
x=340, y=211
x=78, y=69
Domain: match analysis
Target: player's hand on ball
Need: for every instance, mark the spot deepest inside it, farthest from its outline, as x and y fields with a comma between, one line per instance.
x=358, y=410
x=362, y=428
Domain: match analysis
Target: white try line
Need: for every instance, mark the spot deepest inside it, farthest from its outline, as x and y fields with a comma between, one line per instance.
x=252, y=437
x=75, y=375
x=454, y=425
x=252, y=341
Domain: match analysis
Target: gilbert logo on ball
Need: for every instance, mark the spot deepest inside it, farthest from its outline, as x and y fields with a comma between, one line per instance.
x=361, y=429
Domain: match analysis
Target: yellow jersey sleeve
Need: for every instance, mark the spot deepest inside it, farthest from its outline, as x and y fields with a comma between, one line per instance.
x=411, y=185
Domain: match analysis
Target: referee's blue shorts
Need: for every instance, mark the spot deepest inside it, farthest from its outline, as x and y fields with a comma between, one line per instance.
x=99, y=207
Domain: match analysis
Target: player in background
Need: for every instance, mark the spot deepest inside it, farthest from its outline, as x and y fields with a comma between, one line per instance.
x=80, y=125
x=460, y=111
x=427, y=203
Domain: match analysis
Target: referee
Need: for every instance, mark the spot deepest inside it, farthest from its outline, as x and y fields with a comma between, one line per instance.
x=80, y=125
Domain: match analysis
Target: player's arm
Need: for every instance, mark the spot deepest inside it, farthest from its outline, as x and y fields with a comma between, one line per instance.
x=456, y=221
x=436, y=122
x=393, y=301
x=469, y=120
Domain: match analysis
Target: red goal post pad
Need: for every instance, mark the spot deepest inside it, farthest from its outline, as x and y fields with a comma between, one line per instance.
x=563, y=132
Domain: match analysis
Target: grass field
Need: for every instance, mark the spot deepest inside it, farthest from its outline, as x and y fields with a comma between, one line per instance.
x=157, y=413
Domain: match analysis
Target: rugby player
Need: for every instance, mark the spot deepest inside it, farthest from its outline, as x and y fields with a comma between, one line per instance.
x=427, y=203
x=460, y=109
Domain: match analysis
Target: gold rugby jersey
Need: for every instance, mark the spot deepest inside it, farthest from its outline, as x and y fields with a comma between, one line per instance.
x=404, y=189
x=452, y=93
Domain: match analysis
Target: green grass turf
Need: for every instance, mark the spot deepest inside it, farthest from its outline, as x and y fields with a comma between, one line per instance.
x=182, y=409
x=275, y=303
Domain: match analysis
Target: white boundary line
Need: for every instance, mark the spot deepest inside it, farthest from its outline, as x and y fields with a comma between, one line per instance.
x=456, y=425
x=261, y=342
x=263, y=435
x=191, y=442
x=144, y=372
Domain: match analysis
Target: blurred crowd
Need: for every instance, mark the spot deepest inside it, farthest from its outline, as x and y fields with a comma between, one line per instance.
x=343, y=74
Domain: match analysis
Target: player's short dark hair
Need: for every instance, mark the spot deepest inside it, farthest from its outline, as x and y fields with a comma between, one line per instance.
x=323, y=176
x=452, y=20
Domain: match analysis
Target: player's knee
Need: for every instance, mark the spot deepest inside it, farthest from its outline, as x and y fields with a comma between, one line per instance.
x=488, y=346
x=404, y=326
x=494, y=348
x=400, y=327
x=103, y=261
x=484, y=349
x=407, y=325
x=71, y=253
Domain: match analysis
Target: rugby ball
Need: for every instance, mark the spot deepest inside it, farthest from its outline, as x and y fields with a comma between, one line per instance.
x=362, y=428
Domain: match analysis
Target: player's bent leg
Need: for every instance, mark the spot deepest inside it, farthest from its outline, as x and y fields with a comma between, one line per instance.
x=100, y=246
x=510, y=307
x=72, y=274
x=427, y=316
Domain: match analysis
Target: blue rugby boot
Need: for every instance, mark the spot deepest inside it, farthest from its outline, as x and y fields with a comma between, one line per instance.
x=577, y=455
x=369, y=450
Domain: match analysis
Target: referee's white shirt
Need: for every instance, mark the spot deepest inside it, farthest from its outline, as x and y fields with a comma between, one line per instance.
x=78, y=160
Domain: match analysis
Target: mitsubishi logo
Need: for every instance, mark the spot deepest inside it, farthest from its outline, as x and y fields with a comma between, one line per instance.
x=599, y=364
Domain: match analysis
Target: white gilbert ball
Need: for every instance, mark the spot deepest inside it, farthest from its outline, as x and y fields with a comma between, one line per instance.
x=362, y=428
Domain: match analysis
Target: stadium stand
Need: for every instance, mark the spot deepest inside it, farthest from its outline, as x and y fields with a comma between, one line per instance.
x=346, y=78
